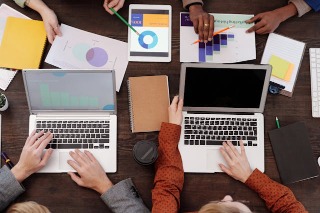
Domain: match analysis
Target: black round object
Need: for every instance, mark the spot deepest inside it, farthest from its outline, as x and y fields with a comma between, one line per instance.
x=145, y=152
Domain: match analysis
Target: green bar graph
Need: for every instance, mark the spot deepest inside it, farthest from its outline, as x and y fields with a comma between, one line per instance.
x=65, y=100
x=93, y=102
x=74, y=101
x=45, y=95
x=55, y=99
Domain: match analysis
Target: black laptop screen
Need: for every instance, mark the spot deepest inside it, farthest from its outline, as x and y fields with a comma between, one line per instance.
x=223, y=87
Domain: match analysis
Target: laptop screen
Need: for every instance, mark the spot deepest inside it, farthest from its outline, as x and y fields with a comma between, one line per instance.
x=225, y=88
x=49, y=90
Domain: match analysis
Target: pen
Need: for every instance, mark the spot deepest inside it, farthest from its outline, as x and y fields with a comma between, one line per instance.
x=277, y=122
x=124, y=21
x=5, y=157
x=216, y=33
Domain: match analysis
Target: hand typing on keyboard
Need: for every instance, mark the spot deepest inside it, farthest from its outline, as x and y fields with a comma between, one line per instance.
x=238, y=164
x=31, y=159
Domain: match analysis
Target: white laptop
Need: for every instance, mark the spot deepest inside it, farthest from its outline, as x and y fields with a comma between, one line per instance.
x=79, y=108
x=222, y=102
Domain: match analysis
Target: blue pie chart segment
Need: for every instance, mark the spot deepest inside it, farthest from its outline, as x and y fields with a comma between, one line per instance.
x=152, y=35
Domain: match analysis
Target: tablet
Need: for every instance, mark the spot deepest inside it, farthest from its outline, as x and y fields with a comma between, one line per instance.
x=153, y=23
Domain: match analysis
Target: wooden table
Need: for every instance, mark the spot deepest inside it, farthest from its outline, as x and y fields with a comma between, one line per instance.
x=60, y=194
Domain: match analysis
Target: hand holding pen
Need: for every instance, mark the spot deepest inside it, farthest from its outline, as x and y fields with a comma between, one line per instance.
x=7, y=160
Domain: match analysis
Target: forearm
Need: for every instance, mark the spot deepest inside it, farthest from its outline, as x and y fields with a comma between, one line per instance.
x=278, y=198
x=286, y=12
x=10, y=188
x=302, y=6
x=123, y=197
x=186, y=3
x=38, y=5
x=169, y=176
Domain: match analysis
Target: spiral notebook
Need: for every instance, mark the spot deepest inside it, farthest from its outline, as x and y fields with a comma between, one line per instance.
x=22, y=43
x=148, y=102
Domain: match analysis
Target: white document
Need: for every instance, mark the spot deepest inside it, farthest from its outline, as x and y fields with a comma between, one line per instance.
x=288, y=49
x=5, y=12
x=233, y=45
x=79, y=49
x=6, y=76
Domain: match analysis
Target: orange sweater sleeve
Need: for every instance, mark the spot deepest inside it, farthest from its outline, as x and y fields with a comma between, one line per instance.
x=169, y=178
x=277, y=197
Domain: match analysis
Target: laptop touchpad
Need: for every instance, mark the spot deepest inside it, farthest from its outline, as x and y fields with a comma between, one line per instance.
x=63, y=164
x=214, y=157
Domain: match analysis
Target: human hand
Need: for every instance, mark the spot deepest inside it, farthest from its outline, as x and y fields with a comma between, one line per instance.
x=31, y=159
x=238, y=164
x=203, y=23
x=267, y=22
x=90, y=171
x=175, y=111
x=51, y=24
x=115, y=4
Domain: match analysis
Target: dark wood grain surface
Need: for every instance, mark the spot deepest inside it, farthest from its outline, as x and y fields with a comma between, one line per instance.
x=60, y=194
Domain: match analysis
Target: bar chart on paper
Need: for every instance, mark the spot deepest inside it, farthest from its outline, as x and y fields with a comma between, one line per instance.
x=214, y=47
x=233, y=45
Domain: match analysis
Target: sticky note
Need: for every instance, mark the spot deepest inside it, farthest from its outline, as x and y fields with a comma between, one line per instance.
x=280, y=67
x=289, y=73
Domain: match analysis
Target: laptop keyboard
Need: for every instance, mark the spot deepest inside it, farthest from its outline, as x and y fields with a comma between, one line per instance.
x=77, y=134
x=214, y=131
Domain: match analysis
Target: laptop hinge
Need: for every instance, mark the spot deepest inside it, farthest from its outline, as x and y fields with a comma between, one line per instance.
x=230, y=113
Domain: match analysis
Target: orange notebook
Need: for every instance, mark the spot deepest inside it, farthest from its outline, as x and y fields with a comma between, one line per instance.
x=22, y=44
x=148, y=102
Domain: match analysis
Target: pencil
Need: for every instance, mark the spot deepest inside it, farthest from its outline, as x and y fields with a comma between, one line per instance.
x=124, y=21
x=277, y=122
x=216, y=33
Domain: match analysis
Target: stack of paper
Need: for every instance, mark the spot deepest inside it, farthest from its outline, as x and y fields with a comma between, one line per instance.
x=285, y=56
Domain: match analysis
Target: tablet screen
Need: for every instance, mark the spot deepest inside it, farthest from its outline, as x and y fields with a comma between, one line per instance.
x=153, y=26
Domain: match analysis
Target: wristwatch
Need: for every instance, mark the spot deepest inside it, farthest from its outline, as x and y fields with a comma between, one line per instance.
x=22, y=3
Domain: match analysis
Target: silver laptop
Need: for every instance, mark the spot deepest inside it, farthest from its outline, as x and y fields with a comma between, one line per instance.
x=222, y=102
x=79, y=108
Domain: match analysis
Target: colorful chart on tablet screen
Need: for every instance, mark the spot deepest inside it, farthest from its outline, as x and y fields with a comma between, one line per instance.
x=153, y=26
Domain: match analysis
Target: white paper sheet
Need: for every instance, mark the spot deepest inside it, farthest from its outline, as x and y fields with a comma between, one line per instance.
x=290, y=50
x=241, y=47
x=79, y=49
x=6, y=76
x=5, y=12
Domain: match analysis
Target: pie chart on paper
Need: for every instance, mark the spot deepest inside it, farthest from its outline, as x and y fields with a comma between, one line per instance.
x=95, y=56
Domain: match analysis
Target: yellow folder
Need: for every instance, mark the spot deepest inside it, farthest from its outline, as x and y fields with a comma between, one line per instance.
x=22, y=44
